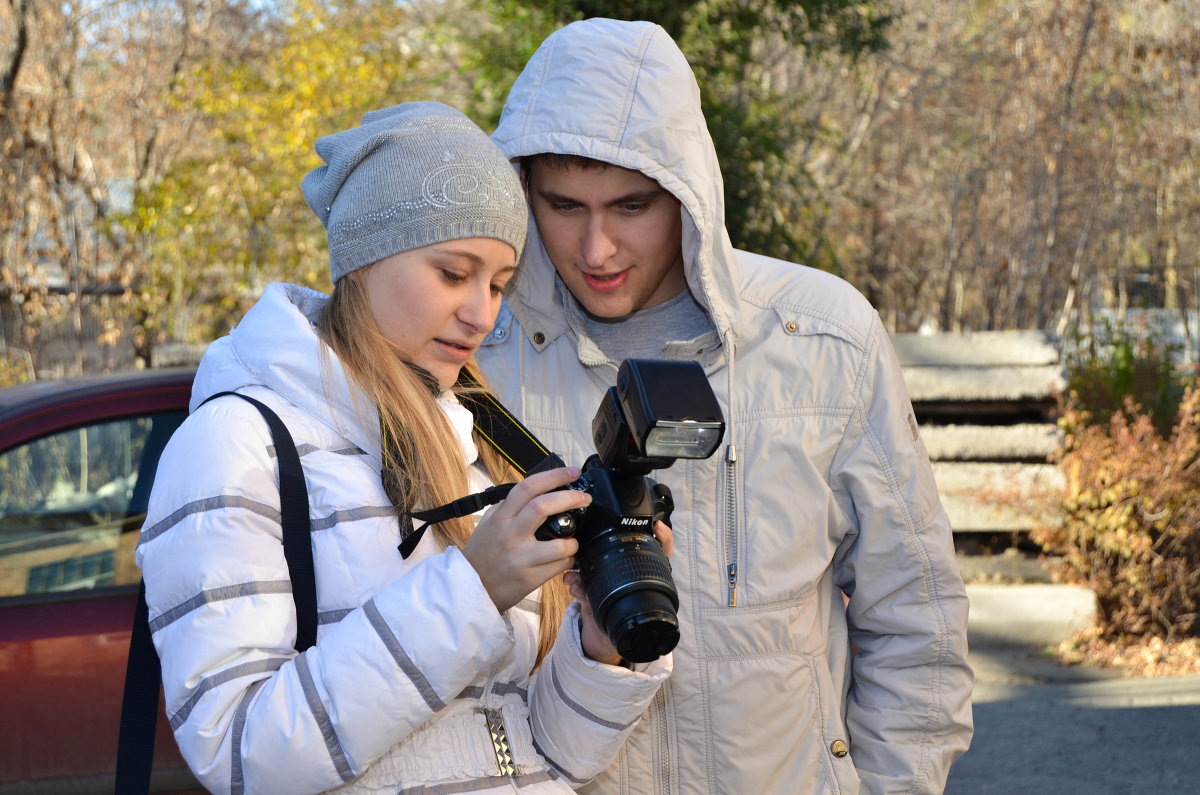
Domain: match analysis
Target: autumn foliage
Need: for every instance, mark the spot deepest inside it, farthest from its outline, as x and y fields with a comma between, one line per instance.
x=1131, y=528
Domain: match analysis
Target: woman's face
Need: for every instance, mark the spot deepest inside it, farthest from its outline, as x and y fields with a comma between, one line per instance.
x=437, y=303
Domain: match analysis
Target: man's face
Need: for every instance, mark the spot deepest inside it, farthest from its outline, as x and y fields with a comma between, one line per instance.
x=614, y=235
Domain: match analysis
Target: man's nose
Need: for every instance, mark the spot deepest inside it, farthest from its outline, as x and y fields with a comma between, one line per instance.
x=598, y=245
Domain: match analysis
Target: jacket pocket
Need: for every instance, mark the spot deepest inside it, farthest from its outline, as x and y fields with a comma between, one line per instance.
x=774, y=722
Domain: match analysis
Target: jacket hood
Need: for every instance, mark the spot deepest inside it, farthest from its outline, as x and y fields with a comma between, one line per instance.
x=623, y=93
x=276, y=346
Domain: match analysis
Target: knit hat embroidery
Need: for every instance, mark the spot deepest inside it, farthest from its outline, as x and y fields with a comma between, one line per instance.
x=410, y=176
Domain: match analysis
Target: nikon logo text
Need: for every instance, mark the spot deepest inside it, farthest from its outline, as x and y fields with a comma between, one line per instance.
x=633, y=520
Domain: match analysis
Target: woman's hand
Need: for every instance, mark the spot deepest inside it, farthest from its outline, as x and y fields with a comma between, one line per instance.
x=510, y=562
x=596, y=644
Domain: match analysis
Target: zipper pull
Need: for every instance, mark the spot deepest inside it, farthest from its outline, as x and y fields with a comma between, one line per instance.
x=730, y=463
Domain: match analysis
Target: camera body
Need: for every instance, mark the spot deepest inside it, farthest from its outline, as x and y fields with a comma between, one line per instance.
x=658, y=412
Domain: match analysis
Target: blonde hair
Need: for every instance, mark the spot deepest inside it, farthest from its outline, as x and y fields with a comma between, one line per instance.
x=422, y=462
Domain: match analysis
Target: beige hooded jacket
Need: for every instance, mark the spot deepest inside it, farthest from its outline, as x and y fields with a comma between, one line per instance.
x=823, y=486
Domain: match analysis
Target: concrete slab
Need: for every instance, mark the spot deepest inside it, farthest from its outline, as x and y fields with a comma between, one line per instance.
x=983, y=383
x=1027, y=615
x=1017, y=442
x=996, y=497
x=976, y=348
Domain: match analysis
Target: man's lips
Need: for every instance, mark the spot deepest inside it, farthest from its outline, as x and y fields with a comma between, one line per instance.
x=607, y=283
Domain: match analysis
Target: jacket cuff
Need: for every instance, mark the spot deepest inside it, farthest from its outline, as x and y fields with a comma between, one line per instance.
x=571, y=630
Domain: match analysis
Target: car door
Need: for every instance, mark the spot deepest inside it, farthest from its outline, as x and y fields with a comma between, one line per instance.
x=72, y=501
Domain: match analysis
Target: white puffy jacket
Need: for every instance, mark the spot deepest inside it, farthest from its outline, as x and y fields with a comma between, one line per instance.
x=412, y=658
x=823, y=485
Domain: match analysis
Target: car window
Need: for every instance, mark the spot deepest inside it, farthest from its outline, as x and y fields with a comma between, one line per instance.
x=71, y=504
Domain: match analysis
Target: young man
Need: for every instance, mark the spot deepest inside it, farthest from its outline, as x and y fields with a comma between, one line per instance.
x=822, y=488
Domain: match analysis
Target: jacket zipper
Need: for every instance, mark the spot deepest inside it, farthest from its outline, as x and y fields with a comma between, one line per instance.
x=664, y=773
x=731, y=546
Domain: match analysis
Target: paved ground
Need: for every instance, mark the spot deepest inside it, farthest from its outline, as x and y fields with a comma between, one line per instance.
x=1045, y=728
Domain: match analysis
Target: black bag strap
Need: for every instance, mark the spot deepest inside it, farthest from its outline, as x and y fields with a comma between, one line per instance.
x=497, y=425
x=143, y=673
x=139, y=707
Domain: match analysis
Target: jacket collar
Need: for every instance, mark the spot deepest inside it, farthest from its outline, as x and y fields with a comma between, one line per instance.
x=276, y=345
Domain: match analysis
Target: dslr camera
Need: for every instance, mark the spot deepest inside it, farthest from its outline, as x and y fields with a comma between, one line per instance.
x=659, y=411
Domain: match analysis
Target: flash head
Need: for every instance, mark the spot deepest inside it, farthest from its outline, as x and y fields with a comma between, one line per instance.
x=657, y=412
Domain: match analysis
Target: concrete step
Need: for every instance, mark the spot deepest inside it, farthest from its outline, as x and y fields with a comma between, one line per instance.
x=976, y=348
x=1026, y=441
x=1030, y=614
x=990, y=497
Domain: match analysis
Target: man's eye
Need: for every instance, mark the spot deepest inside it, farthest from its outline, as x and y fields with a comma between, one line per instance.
x=564, y=207
x=633, y=207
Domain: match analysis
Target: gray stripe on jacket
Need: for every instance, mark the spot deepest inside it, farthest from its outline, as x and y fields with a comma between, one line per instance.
x=401, y=657
x=269, y=665
x=219, y=595
x=317, y=707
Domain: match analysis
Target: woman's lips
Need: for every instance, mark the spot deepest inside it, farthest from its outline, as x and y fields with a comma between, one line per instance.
x=456, y=350
x=606, y=284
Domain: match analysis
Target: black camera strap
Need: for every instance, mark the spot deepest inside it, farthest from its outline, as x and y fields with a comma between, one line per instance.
x=503, y=431
x=509, y=437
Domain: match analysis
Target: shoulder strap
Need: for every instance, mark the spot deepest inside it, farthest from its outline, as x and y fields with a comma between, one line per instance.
x=297, y=532
x=143, y=674
x=139, y=707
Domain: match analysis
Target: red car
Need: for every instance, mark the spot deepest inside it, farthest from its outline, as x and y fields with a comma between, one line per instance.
x=77, y=457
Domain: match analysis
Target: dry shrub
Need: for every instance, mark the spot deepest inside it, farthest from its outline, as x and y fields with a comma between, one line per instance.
x=1131, y=516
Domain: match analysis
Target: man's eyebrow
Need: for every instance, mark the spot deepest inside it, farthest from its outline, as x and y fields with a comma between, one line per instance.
x=628, y=198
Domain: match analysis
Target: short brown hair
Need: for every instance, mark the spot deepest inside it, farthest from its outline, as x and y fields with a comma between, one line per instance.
x=560, y=160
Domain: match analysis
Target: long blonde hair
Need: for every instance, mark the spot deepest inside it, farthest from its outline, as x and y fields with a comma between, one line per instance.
x=422, y=462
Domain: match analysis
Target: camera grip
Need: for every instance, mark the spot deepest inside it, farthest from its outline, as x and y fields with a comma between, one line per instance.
x=559, y=526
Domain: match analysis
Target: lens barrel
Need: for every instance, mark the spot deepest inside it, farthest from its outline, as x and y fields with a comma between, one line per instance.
x=628, y=582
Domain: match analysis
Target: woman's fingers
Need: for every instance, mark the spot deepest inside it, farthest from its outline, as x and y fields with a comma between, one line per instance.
x=510, y=562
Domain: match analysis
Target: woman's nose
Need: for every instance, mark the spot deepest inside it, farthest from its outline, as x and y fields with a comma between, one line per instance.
x=480, y=309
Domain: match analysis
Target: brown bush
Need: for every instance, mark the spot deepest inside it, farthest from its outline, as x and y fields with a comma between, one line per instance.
x=1131, y=516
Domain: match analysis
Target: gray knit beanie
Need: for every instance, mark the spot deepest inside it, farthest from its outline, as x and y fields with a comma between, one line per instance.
x=410, y=176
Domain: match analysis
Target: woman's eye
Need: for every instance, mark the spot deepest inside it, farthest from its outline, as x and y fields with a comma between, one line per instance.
x=453, y=277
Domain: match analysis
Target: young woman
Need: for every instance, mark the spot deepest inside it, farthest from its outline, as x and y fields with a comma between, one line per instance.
x=458, y=668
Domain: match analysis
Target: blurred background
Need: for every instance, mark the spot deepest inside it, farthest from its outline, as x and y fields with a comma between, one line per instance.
x=969, y=165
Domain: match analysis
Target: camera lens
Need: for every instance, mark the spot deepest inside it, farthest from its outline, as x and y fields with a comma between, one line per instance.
x=628, y=581
x=647, y=630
